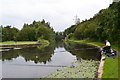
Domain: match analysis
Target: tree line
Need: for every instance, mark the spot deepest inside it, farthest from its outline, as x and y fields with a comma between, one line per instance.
x=29, y=32
x=104, y=25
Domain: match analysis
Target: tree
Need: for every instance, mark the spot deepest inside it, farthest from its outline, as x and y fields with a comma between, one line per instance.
x=1, y=27
x=7, y=34
x=44, y=33
x=15, y=33
x=27, y=34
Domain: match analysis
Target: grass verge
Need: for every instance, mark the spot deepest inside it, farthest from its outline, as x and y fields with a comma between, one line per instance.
x=18, y=42
x=43, y=42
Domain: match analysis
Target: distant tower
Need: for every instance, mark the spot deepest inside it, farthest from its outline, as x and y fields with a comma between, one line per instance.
x=77, y=20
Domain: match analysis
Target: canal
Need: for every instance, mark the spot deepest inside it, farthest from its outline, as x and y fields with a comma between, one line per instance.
x=38, y=62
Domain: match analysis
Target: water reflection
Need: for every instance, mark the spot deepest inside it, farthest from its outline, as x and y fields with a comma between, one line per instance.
x=31, y=54
x=83, y=51
x=44, y=54
x=59, y=44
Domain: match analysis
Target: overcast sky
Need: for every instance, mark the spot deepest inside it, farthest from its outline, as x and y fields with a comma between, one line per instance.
x=60, y=13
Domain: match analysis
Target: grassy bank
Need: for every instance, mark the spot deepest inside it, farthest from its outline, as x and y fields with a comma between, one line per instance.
x=110, y=69
x=86, y=42
x=43, y=42
x=18, y=42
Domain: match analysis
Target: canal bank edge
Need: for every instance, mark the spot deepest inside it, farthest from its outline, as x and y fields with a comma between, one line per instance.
x=19, y=45
x=100, y=68
x=101, y=64
x=106, y=72
x=23, y=44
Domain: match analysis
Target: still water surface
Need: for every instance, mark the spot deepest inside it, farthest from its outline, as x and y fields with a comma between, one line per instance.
x=40, y=61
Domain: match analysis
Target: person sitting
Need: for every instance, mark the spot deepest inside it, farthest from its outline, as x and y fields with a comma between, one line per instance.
x=107, y=47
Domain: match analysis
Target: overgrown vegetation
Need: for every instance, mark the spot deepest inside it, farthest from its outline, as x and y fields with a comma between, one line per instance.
x=83, y=69
x=104, y=25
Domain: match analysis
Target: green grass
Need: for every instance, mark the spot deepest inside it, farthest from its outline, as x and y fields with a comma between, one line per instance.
x=43, y=42
x=99, y=44
x=110, y=69
x=18, y=42
x=119, y=66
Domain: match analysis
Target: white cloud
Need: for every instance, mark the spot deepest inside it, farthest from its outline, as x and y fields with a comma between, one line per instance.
x=60, y=13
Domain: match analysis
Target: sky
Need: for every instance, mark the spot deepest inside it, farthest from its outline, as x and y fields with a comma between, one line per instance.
x=60, y=13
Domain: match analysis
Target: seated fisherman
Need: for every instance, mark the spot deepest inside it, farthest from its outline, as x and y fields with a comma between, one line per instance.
x=107, y=47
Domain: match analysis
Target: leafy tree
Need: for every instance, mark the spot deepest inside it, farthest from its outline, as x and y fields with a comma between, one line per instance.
x=36, y=30
x=27, y=34
x=15, y=33
x=59, y=36
x=44, y=33
x=1, y=32
x=9, y=33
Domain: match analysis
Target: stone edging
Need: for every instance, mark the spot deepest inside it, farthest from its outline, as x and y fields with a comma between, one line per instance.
x=100, y=68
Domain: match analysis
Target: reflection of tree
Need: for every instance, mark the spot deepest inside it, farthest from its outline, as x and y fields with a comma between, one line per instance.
x=83, y=51
x=59, y=44
x=31, y=54
x=38, y=55
x=9, y=55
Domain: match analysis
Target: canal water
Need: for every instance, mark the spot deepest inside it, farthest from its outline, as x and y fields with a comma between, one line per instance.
x=41, y=61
